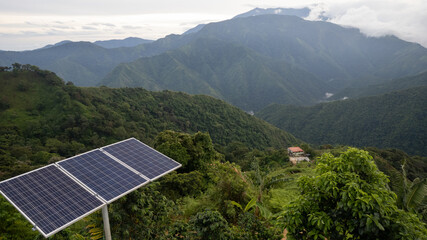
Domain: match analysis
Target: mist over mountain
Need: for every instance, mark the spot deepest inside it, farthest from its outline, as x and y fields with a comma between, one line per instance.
x=340, y=55
x=299, y=12
x=335, y=57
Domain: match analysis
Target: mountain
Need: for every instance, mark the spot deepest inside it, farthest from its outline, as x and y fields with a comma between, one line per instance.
x=386, y=87
x=223, y=70
x=82, y=63
x=393, y=120
x=299, y=12
x=36, y=107
x=117, y=43
x=56, y=44
x=341, y=56
x=331, y=58
x=195, y=29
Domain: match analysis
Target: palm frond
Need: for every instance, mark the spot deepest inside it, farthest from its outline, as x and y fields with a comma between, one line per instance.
x=416, y=193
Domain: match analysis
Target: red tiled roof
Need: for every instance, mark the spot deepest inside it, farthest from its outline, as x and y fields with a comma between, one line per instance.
x=295, y=149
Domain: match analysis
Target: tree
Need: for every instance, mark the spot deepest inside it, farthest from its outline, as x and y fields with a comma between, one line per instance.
x=414, y=195
x=142, y=214
x=349, y=199
x=194, y=152
x=210, y=225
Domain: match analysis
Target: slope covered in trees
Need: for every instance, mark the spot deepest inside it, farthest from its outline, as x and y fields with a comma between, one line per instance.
x=385, y=87
x=40, y=115
x=226, y=188
x=223, y=70
x=394, y=120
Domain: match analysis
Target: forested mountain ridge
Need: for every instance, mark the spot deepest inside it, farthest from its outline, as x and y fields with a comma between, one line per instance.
x=223, y=70
x=40, y=114
x=117, y=43
x=342, y=56
x=393, y=120
x=335, y=57
x=326, y=50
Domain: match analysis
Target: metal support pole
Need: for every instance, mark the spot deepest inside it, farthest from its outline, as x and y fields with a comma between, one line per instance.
x=107, y=232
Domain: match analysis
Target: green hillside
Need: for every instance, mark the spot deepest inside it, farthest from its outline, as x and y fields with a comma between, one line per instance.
x=39, y=114
x=394, y=120
x=222, y=70
x=386, y=87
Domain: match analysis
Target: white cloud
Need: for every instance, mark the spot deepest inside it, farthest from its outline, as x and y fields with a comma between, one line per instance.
x=56, y=20
x=328, y=95
x=402, y=18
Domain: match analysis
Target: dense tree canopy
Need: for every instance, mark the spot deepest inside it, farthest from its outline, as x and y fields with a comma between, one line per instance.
x=349, y=199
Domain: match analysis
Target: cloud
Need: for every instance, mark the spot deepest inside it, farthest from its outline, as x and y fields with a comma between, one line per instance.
x=131, y=27
x=328, y=95
x=103, y=24
x=155, y=19
x=89, y=28
x=404, y=19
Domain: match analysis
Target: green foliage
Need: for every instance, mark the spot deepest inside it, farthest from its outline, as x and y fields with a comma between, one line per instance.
x=415, y=166
x=349, y=199
x=13, y=225
x=193, y=152
x=228, y=185
x=178, y=185
x=416, y=194
x=253, y=228
x=210, y=225
x=63, y=120
x=142, y=214
x=394, y=120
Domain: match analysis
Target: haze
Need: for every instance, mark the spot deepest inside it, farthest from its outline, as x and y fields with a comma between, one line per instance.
x=28, y=24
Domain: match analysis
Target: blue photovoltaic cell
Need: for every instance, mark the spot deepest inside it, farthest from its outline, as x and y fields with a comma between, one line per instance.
x=102, y=174
x=142, y=158
x=49, y=198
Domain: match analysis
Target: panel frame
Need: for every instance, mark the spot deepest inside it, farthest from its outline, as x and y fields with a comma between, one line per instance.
x=35, y=226
x=93, y=191
x=151, y=179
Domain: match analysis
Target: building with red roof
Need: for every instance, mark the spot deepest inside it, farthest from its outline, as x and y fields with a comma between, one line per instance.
x=296, y=154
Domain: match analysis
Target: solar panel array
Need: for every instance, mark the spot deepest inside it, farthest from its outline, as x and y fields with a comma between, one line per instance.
x=49, y=198
x=55, y=196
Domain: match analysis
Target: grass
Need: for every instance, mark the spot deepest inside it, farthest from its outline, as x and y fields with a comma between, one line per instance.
x=286, y=192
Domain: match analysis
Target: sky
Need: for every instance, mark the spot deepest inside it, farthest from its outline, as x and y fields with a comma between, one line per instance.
x=29, y=24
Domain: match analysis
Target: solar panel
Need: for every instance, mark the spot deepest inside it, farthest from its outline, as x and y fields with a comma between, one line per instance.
x=49, y=198
x=142, y=158
x=102, y=174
